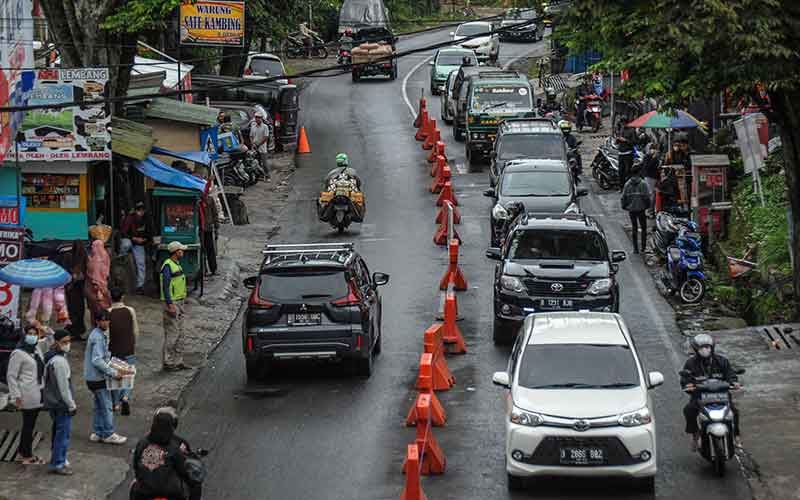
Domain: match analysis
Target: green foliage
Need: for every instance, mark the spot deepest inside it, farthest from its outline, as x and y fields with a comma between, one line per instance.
x=140, y=15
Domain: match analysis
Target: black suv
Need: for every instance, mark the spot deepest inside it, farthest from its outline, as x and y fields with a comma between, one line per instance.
x=528, y=139
x=313, y=301
x=552, y=263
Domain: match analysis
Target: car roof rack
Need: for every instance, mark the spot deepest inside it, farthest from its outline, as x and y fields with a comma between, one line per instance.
x=499, y=74
x=308, y=251
x=537, y=119
x=579, y=217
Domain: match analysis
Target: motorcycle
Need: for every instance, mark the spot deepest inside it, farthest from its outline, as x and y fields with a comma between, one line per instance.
x=196, y=470
x=605, y=166
x=684, y=273
x=665, y=232
x=715, y=419
x=345, y=57
x=592, y=112
x=294, y=47
x=342, y=205
x=241, y=169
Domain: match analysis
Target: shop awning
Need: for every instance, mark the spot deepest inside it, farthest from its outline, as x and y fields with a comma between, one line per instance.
x=195, y=156
x=156, y=169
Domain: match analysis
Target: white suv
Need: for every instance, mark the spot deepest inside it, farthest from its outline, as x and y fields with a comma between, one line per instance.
x=486, y=47
x=578, y=401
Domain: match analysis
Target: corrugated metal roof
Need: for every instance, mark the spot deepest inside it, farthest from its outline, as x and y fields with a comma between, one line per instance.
x=170, y=109
x=131, y=139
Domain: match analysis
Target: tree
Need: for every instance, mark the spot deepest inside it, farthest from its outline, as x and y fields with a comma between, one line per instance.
x=679, y=50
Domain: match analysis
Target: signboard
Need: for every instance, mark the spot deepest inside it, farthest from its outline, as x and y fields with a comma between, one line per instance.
x=11, y=246
x=10, y=213
x=208, y=141
x=76, y=133
x=16, y=52
x=747, y=137
x=212, y=23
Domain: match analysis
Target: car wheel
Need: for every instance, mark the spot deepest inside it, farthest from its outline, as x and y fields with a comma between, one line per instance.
x=646, y=484
x=364, y=366
x=516, y=483
x=500, y=332
x=377, y=348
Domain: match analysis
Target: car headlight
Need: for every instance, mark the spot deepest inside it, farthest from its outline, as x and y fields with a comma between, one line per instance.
x=600, y=286
x=511, y=284
x=485, y=45
x=636, y=418
x=499, y=212
x=521, y=417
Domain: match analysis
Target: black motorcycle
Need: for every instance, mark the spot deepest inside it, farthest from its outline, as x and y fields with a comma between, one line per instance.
x=294, y=47
x=605, y=166
x=665, y=231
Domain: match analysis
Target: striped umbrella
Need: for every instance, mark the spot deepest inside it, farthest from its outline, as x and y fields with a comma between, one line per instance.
x=654, y=119
x=35, y=273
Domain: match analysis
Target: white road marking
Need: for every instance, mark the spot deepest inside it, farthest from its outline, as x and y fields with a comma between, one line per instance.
x=405, y=85
x=461, y=168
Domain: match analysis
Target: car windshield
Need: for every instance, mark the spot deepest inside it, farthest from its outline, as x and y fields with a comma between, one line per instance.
x=293, y=286
x=260, y=66
x=541, y=183
x=531, y=146
x=473, y=29
x=500, y=97
x=558, y=245
x=455, y=58
x=578, y=366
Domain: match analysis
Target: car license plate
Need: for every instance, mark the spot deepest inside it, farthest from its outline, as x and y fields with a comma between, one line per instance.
x=582, y=456
x=557, y=303
x=305, y=318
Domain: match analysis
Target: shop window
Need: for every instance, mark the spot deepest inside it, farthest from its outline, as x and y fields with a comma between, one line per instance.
x=52, y=191
x=179, y=218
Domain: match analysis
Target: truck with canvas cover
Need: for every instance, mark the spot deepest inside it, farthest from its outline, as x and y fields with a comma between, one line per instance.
x=357, y=14
x=373, y=53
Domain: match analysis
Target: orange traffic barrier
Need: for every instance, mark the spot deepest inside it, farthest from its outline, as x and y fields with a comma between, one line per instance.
x=425, y=382
x=443, y=213
x=447, y=194
x=413, y=488
x=438, y=169
x=433, y=137
x=453, y=274
x=432, y=459
x=452, y=333
x=440, y=152
x=441, y=236
x=436, y=150
x=443, y=378
x=423, y=106
x=444, y=176
x=422, y=132
x=302, y=142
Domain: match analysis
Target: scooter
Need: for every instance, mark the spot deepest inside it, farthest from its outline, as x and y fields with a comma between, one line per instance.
x=684, y=273
x=666, y=231
x=605, y=166
x=345, y=58
x=715, y=419
x=592, y=112
x=294, y=48
x=340, y=208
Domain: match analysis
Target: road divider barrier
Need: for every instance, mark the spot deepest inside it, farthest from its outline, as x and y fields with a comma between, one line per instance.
x=436, y=150
x=443, y=213
x=446, y=230
x=425, y=384
x=423, y=106
x=440, y=152
x=453, y=275
x=447, y=194
x=432, y=459
x=413, y=488
x=444, y=175
x=422, y=131
x=434, y=136
x=451, y=332
x=433, y=344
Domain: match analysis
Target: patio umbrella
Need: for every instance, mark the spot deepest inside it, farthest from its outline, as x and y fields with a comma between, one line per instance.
x=654, y=119
x=35, y=273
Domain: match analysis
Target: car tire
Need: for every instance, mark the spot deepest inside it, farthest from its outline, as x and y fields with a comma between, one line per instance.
x=364, y=366
x=646, y=484
x=500, y=332
x=355, y=76
x=516, y=483
x=377, y=348
x=256, y=370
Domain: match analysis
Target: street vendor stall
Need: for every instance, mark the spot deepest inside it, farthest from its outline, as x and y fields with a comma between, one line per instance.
x=179, y=220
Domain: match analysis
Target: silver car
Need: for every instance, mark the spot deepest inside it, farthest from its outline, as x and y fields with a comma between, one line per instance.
x=447, y=99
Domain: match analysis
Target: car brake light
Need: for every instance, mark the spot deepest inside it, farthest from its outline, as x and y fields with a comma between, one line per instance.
x=248, y=71
x=290, y=81
x=351, y=299
x=257, y=301
x=249, y=344
x=358, y=342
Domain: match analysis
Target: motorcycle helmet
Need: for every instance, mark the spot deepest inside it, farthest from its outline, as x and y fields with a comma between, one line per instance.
x=565, y=126
x=171, y=411
x=550, y=93
x=342, y=160
x=702, y=340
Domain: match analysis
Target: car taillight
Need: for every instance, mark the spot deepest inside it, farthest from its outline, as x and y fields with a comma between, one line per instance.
x=249, y=344
x=290, y=81
x=248, y=71
x=358, y=342
x=351, y=299
x=257, y=301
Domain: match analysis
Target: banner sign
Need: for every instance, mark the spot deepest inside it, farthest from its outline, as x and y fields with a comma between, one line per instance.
x=10, y=213
x=11, y=245
x=77, y=133
x=16, y=54
x=207, y=22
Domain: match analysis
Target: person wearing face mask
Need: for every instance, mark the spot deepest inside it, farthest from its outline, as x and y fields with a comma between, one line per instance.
x=25, y=381
x=58, y=399
x=706, y=363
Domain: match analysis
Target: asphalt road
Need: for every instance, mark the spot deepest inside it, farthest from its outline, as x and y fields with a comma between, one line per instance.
x=327, y=435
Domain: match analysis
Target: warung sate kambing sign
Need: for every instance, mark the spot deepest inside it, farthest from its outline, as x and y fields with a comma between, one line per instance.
x=212, y=23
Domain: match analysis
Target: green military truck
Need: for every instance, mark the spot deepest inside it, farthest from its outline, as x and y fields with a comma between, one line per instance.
x=491, y=98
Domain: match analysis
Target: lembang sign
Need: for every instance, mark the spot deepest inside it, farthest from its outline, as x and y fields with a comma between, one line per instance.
x=212, y=23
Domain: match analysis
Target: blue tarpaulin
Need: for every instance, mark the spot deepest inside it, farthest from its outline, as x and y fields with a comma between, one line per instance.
x=156, y=169
x=195, y=156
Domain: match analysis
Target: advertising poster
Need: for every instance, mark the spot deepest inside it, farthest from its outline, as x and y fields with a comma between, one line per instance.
x=212, y=23
x=76, y=133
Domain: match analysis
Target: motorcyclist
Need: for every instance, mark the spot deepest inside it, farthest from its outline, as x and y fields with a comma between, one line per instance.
x=706, y=363
x=159, y=466
x=195, y=488
x=571, y=140
x=342, y=169
x=583, y=91
x=346, y=40
x=307, y=37
x=550, y=101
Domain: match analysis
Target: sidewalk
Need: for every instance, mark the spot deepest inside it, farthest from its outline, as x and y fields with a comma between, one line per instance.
x=99, y=468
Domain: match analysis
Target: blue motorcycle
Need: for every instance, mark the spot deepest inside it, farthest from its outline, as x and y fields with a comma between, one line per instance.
x=684, y=273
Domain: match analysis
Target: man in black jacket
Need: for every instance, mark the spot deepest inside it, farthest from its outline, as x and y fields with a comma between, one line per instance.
x=158, y=464
x=706, y=363
x=636, y=200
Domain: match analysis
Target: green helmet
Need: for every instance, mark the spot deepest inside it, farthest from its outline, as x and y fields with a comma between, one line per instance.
x=342, y=160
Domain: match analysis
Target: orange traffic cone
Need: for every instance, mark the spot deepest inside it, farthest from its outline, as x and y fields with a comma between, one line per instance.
x=302, y=142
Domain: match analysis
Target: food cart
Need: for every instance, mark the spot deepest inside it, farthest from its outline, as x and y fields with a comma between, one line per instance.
x=179, y=220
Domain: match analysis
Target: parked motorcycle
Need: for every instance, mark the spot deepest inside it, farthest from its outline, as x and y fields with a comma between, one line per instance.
x=715, y=419
x=294, y=48
x=665, y=232
x=592, y=112
x=605, y=166
x=684, y=273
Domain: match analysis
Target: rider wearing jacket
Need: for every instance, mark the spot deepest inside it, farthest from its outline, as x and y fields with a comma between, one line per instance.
x=705, y=363
x=158, y=464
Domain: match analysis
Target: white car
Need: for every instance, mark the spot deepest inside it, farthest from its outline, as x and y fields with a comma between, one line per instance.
x=262, y=65
x=487, y=48
x=578, y=401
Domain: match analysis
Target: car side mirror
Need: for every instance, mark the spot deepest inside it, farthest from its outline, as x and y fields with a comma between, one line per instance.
x=618, y=256
x=380, y=279
x=431, y=63
x=250, y=283
x=614, y=268
x=489, y=193
x=452, y=33
x=494, y=253
x=502, y=379
x=582, y=192
x=655, y=379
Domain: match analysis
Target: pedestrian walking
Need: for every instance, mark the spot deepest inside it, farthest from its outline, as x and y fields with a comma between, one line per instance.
x=636, y=200
x=96, y=368
x=259, y=140
x=76, y=301
x=98, y=268
x=651, y=171
x=135, y=239
x=58, y=399
x=123, y=332
x=25, y=378
x=625, y=162
x=173, y=293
